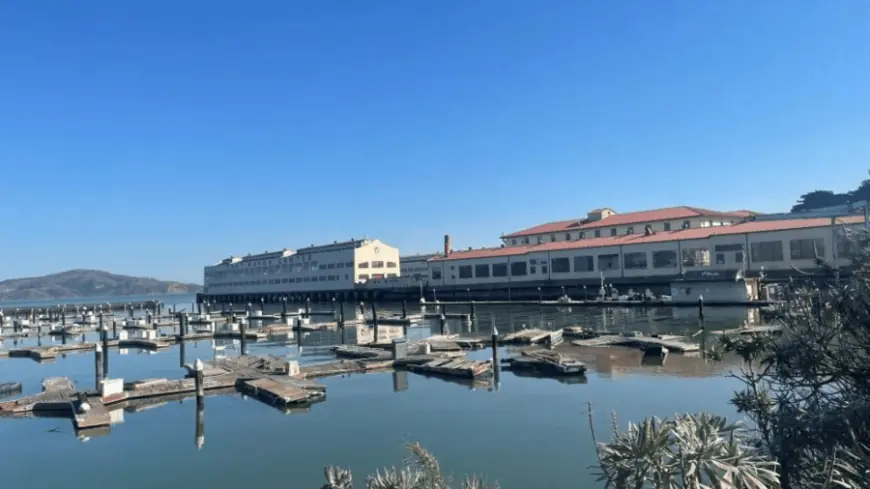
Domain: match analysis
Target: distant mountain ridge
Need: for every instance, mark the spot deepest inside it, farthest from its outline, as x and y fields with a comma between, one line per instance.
x=88, y=283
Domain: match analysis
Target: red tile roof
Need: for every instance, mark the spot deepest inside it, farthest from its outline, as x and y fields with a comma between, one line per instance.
x=658, y=237
x=638, y=217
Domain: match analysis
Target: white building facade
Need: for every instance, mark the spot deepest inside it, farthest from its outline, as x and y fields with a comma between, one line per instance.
x=340, y=266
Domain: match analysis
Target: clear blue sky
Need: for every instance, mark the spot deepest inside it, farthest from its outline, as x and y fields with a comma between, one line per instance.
x=155, y=137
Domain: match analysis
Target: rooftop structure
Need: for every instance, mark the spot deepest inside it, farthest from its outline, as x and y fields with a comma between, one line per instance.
x=607, y=222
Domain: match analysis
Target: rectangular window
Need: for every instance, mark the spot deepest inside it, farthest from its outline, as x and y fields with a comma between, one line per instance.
x=377, y=264
x=513, y=241
x=339, y=265
x=629, y=230
x=584, y=264
x=392, y=275
x=597, y=233
x=330, y=266
x=544, y=269
x=847, y=244
x=481, y=271
x=436, y=273
x=553, y=238
x=391, y=264
x=613, y=232
x=581, y=235
x=608, y=262
x=364, y=264
x=377, y=275
x=499, y=270
x=664, y=259
x=696, y=257
x=728, y=247
x=720, y=258
x=465, y=271
x=807, y=249
x=363, y=276
x=634, y=260
x=738, y=257
x=540, y=240
x=349, y=264
x=560, y=265
x=567, y=236
x=766, y=251
x=518, y=269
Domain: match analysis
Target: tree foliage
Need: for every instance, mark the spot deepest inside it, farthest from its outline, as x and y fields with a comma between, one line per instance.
x=421, y=471
x=818, y=199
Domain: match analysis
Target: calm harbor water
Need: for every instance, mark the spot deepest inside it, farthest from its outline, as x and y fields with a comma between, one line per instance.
x=528, y=433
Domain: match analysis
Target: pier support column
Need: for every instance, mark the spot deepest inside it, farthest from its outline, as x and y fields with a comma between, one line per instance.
x=308, y=307
x=404, y=308
x=496, y=367
x=333, y=308
x=284, y=310
x=114, y=328
x=472, y=318
x=443, y=321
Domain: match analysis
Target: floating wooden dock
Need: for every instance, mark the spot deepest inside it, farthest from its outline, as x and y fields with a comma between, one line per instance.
x=677, y=344
x=547, y=362
x=455, y=367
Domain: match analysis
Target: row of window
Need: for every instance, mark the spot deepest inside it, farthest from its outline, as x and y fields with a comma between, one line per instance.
x=761, y=252
x=375, y=276
x=612, y=232
x=277, y=281
x=293, y=268
x=377, y=264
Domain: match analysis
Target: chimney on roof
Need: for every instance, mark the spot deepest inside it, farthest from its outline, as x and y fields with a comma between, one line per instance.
x=647, y=230
x=446, y=244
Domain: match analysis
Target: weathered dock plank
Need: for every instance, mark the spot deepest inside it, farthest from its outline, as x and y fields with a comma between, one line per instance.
x=94, y=416
x=526, y=336
x=353, y=351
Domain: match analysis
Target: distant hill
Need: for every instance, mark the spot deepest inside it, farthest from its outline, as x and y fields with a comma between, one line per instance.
x=87, y=283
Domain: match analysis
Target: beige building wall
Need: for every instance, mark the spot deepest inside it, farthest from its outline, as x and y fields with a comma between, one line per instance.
x=376, y=260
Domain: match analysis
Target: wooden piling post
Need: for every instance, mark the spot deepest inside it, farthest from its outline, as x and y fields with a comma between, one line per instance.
x=232, y=313
x=104, y=332
x=98, y=364
x=242, y=331
x=308, y=307
x=496, y=368
x=284, y=310
x=182, y=317
x=701, y=311
x=114, y=328
x=404, y=308
x=375, y=321
x=333, y=307
x=443, y=321
x=198, y=380
x=472, y=317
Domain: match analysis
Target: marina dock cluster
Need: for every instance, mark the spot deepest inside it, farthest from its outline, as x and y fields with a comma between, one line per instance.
x=284, y=383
